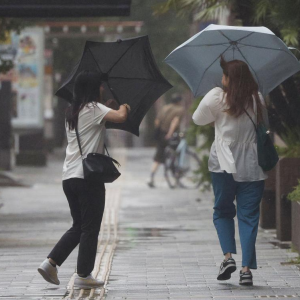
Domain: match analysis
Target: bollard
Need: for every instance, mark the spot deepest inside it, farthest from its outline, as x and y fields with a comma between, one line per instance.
x=268, y=203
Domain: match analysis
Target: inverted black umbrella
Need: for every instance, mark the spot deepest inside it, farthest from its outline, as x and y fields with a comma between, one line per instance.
x=128, y=70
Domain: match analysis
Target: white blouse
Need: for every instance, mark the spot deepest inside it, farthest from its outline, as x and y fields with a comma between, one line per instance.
x=234, y=149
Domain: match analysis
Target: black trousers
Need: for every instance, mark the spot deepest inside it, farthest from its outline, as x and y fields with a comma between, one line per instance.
x=160, y=147
x=86, y=201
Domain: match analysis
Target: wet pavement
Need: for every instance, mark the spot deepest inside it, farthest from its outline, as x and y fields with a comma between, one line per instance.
x=168, y=247
x=159, y=244
x=32, y=219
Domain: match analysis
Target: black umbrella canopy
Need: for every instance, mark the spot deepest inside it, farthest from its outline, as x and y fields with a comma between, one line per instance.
x=129, y=73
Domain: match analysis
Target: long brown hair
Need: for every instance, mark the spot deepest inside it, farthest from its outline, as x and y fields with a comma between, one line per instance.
x=240, y=89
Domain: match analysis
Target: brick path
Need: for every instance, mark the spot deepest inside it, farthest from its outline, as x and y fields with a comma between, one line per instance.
x=167, y=246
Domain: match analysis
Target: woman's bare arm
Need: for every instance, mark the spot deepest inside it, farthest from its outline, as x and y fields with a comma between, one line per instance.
x=118, y=116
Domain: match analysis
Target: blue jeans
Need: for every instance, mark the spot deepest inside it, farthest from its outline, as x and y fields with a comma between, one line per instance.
x=248, y=196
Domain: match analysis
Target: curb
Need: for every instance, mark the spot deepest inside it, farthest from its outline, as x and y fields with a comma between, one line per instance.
x=8, y=180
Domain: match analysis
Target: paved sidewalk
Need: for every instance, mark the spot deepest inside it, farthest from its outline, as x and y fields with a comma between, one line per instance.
x=168, y=247
x=32, y=219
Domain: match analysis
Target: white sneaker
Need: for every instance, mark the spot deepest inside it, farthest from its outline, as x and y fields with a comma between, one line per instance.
x=88, y=282
x=48, y=272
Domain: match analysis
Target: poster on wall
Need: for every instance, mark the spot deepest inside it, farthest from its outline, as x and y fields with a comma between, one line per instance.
x=28, y=79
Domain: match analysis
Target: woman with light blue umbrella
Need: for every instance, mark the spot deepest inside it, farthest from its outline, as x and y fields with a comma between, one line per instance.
x=197, y=60
x=235, y=109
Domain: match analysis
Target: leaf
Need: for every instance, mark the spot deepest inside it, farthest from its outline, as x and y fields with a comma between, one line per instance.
x=261, y=9
x=182, y=7
x=290, y=36
x=211, y=12
x=162, y=8
x=207, y=135
x=295, y=194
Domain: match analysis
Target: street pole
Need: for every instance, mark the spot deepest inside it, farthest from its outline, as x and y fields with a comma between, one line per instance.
x=5, y=125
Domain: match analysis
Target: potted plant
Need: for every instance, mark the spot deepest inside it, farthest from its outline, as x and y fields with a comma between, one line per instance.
x=202, y=137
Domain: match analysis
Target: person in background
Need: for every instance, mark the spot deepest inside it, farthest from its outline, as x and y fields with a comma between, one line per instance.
x=233, y=163
x=166, y=124
x=86, y=198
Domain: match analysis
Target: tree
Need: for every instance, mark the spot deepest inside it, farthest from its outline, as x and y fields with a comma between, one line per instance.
x=200, y=9
x=165, y=33
x=283, y=18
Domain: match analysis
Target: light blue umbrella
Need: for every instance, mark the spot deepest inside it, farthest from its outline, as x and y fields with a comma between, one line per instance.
x=197, y=60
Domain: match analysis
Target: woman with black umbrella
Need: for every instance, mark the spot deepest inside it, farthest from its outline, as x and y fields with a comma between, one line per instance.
x=86, y=199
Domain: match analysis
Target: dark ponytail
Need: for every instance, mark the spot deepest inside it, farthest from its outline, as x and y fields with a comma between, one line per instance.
x=86, y=90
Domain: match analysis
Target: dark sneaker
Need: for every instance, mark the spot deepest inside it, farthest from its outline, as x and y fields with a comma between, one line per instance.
x=246, y=278
x=227, y=267
x=151, y=184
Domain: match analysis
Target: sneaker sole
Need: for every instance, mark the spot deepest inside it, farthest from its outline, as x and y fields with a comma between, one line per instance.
x=248, y=282
x=227, y=273
x=46, y=276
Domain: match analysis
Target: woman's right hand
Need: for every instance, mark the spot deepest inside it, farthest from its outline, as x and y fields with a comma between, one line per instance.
x=118, y=116
x=127, y=107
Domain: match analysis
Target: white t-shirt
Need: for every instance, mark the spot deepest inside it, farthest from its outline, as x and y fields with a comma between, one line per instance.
x=91, y=131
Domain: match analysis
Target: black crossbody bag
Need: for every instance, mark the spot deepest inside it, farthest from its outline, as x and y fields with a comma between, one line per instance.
x=98, y=167
x=266, y=151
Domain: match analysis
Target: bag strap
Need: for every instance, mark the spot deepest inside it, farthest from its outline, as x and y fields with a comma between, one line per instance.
x=78, y=140
x=251, y=120
x=106, y=150
x=116, y=162
x=79, y=145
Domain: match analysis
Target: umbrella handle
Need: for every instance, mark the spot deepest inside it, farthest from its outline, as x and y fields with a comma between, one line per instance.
x=113, y=93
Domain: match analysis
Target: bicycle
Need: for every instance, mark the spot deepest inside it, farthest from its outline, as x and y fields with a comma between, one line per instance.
x=181, y=164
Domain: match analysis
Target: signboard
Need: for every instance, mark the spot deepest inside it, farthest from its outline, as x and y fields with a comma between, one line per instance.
x=28, y=79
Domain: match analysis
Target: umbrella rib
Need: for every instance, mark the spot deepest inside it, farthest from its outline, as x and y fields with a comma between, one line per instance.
x=126, y=78
x=220, y=31
x=210, y=66
x=95, y=60
x=248, y=64
x=122, y=56
x=245, y=37
x=267, y=48
x=205, y=45
x=113, y=93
